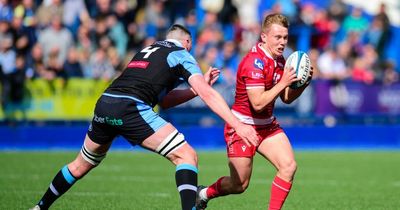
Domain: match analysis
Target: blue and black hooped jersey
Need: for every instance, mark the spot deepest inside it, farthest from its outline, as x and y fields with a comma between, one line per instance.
x=154, y=71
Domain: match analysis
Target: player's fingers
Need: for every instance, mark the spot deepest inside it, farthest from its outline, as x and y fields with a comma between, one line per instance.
x=290, y=69
x=246, y=141
x=215, y=72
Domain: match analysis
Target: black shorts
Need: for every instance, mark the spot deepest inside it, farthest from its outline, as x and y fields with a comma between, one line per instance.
x=123, y=115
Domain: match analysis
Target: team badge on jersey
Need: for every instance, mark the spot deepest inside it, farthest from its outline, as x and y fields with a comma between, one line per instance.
x=258, y=63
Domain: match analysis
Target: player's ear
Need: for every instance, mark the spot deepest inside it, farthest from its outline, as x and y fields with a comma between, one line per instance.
x=263, y=37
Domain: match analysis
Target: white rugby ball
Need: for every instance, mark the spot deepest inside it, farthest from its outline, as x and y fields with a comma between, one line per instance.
x=300, y=62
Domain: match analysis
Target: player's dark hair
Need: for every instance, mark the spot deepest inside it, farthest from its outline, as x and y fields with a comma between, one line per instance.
x=179, y=27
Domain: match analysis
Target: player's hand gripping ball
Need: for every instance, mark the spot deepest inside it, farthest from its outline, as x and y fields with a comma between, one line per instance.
x=300, y=62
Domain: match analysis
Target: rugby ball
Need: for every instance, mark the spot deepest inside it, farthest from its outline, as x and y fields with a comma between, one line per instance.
x=300, y=62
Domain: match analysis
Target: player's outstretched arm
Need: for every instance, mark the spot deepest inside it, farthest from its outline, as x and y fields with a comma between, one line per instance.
x=179, y=96
x=218, y=105
x=290, y=94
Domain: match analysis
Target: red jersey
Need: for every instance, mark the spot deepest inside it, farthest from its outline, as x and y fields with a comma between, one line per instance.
x=257, y=70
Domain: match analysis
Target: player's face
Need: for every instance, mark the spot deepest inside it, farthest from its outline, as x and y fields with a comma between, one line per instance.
x=275, y=39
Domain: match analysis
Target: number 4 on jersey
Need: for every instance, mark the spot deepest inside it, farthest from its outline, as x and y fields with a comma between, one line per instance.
x=148, y=50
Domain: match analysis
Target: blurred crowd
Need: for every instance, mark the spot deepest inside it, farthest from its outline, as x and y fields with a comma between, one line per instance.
x=51, y=39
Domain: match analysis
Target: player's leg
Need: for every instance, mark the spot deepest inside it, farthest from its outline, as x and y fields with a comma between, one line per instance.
x=240, y=164
x=96, y=144
x=168, y=142
x=279, y=152
x=236, y=183
x=89, y=157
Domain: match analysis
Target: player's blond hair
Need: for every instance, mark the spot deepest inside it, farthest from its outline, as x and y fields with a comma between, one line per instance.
x=274, y=19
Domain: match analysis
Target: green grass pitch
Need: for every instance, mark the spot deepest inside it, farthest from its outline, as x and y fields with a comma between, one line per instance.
x=141, y=180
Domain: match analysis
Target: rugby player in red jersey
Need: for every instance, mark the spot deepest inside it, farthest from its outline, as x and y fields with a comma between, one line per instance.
x=261, y=79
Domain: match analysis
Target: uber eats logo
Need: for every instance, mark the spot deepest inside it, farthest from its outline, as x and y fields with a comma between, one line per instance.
x=108, y=120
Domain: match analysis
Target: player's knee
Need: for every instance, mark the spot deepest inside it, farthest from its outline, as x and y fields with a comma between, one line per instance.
x=185, y=154
x=288, y=169
x=240, y=187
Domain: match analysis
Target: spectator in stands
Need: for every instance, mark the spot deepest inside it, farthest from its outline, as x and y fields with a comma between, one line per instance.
x=117, y=34
x=101, y=8
x=385, y=36
x=331, y=66
x=35, y=64
x=210, y=58
x=248, y=12
x=84, y=44
x=324, y=28
x=5, y=30
x=56, y=39
x=47, y=10
x=7, y=55
x=54, y=67
x=210, y=33
x=230, y=61
x=314, y=54
x=72, y=66
x=6, y=11
x=337, y=11
x=13, y=85
x=11, y=67
x=371, y=60
x=157, y=19
x=361, y=73
x=100, y=66
x=125, y=12
x=22, y=43
x=355, y=22
x=25, y=14
x=390, y=75
x=74, y=11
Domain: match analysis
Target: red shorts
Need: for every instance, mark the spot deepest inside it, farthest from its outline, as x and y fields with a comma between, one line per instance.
x=236, y=147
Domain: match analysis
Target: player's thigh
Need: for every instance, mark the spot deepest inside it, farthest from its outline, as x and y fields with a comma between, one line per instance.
x=95, y=147
x=154, y=140
x=277, y=149
x=240, y=169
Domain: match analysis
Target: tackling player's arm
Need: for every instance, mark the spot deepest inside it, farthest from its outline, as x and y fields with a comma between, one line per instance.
x=290, y=94
x=179, y=96
x=218, y=105
x=260, y=98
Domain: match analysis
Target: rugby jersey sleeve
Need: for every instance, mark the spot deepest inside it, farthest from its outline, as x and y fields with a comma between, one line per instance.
x=184, y=63
x=253, y=72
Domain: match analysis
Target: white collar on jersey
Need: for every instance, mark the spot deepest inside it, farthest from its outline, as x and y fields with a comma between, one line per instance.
x=267, y=54
x=176, y=42
x=265, y=51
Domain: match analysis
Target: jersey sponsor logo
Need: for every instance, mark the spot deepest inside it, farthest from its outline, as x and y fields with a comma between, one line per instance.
x=258, y=63
x=257, y=75
x=108, y=120
x=138, y=64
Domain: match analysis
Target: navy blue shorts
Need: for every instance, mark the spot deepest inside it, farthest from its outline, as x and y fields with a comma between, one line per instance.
x=123, y=115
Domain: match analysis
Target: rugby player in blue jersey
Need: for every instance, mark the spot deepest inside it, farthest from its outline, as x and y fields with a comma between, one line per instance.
x=126, y=108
